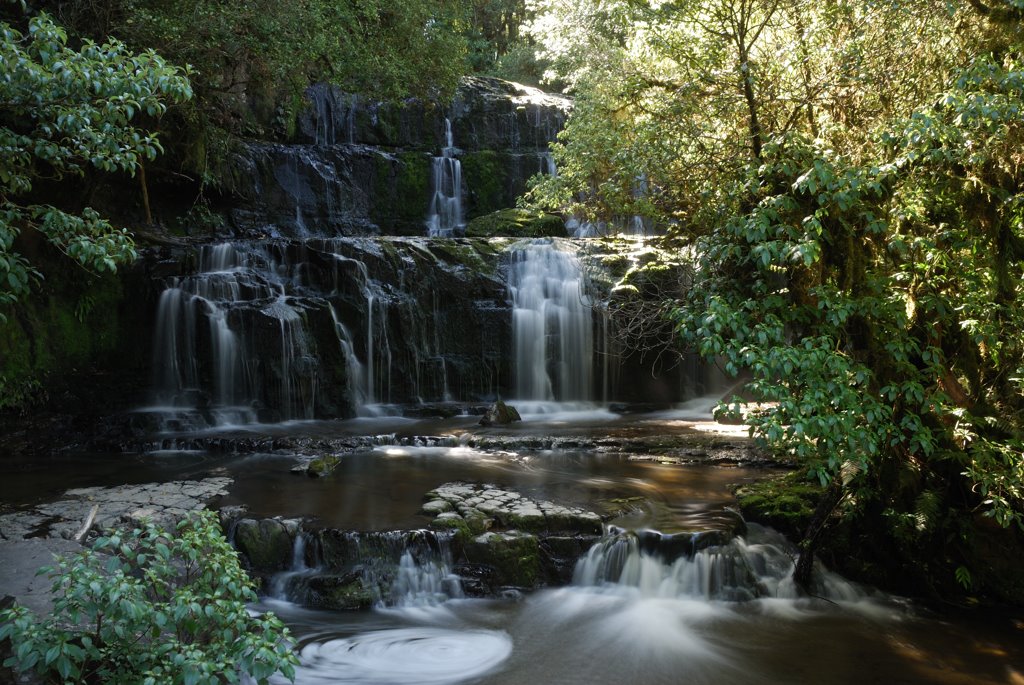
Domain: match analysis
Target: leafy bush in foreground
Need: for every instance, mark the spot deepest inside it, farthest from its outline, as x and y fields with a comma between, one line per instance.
x=149, y=606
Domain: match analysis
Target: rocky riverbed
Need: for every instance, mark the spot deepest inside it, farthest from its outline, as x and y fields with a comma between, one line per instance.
x=30, y=537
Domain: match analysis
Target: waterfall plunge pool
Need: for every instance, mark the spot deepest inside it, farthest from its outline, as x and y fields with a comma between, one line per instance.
x=644, y=627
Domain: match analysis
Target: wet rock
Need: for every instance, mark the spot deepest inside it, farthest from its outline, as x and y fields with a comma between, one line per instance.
x=514, y=556
x=500, y=414
x=125, y=505
x=322, y=466
x=559, y=554
x=482, y=507
x=437, y=506
x=265, y=544
x=342, y=592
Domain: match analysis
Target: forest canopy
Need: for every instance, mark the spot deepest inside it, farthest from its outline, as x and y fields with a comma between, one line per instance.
x=850, y=176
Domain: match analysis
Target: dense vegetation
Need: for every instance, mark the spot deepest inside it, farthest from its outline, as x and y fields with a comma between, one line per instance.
x=151, y=606
x=91, y=87
x=849, y=174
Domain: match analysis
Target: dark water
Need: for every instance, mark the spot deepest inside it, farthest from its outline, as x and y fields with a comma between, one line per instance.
x=581, y=636
x=651, y=630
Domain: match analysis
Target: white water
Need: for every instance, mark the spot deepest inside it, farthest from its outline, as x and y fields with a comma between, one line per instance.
x=425, y=656
x=445, y=217
x=633, y=614
x=552, y=325
x=211, y=366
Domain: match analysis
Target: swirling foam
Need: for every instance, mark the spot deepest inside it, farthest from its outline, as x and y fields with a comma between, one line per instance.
x=407, y=656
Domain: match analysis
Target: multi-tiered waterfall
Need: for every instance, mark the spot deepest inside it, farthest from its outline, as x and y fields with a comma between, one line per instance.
x=445, y=217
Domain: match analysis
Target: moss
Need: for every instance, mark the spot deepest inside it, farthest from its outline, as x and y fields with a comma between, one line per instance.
x=478, y=255
x=72, y=323
x=322, y=466
x=412, y=187
x=785, y=503
x=486, y=176
x=516, y=223
x=514, y=556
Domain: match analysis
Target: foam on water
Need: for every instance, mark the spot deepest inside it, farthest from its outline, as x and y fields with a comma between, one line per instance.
x=404, y=656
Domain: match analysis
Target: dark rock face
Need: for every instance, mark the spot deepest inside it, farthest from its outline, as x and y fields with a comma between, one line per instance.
x=486, y=114
x=279, y=330
x=363, y=168
x=297, y=190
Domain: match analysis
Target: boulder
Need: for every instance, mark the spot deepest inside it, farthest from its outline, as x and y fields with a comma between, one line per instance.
x=514, y=556
x=500, y=414
x=266, y=544
x=516, y=223
x=338, y=592
x=322, y=466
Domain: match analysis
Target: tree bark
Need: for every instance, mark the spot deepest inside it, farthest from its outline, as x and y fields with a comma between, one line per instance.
x=145, y=194
x=802, y=576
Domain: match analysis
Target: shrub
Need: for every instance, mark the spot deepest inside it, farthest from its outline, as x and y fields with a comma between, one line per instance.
x=150, y=606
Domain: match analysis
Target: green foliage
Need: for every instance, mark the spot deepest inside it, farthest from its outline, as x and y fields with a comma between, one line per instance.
x=151, y=607
x=253, y=61
x=66, y=111
x=876, y=306
x=685, y=94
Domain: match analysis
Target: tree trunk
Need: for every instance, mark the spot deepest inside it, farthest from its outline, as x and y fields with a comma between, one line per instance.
x=754, y=122
x=802, y=576
x=145, y=194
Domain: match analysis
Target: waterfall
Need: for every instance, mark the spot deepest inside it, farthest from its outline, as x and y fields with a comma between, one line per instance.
x=356, y=378
x=445, y=217
x=393, y=568
x=701, y=566
x=215, y=359
x=552, y=325
x=331, y=109
x=423, y=584
x=547, y=164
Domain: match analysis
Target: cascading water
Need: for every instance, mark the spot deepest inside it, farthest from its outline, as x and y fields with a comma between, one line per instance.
x=684, y=565
x=212, y=365
x=445, y=217
x=552, y=325
x=392, y=568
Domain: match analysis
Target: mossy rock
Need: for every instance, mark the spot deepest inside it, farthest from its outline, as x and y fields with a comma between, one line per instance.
x=412, y=187
x=785, y=503
x=322, y=466
x=488, y=180
x=516, y=223
x=481, y=256
x=345, y=592
x=500, y=414
x=514, y=556
x=266, y=544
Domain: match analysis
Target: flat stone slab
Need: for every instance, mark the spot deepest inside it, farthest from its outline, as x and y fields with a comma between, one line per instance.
x=30, y=538
x=482, y=507
x=161, y=503
x=19, y=562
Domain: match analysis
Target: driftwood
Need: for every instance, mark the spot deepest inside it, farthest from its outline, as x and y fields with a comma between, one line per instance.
x=80, y=535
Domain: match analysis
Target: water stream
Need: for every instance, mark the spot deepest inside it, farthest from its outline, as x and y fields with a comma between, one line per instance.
x=270, y=354
x=445, y=217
